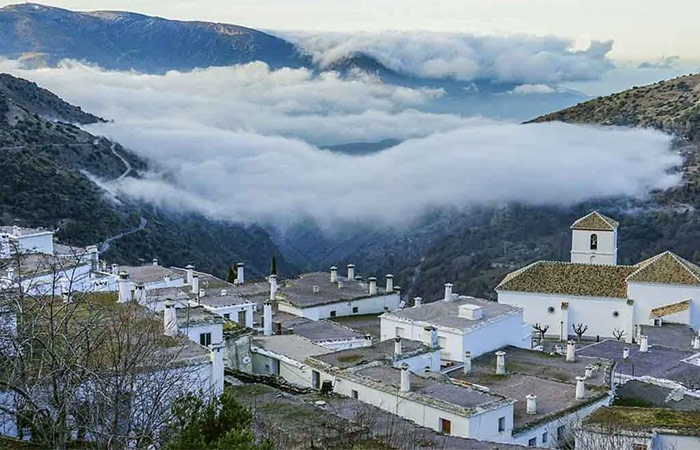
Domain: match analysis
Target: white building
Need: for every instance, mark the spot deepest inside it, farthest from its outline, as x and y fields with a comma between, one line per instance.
x=322, y=295
x=227, y=304
x=25, y=240
x=463, y=324
x=593, y=290
x=325, y=333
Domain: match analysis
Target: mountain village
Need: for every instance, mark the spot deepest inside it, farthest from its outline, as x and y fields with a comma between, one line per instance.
x=540, y=367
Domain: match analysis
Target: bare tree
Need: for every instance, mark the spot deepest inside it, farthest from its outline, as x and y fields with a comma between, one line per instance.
x=579, y=329
x=78, y=365
x=618, y=334
x=541, y=329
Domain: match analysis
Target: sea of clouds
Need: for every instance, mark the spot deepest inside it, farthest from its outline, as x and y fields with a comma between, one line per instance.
x=242, y=144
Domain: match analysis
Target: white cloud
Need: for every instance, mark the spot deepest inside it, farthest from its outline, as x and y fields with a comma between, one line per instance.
x=465, y=57
x=230, y=142
x=526, y=89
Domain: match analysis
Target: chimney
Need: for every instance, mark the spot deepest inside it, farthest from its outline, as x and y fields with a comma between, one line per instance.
x=240, y=278
x=351, y=272
x=417, y=302
x=334, y=274
x=4, y=246
x=580, y=388
x=140, y=293
x=273, y=287
x=65, y=290
x=267, y=319
x=224, y=292
x=372, y=286
x=397, y=347
x=195, y=284
x=589, y=371
x=696, y=343
x=432, y=332
x=94, y=257
x=470, y=312
x=625, y=353
x=17, y=231
x=644, y=343
x=531, y=403
x=155, y=261
x=124, y=287
x=115, y=269
x=467, y=363
x=190, y=272
x=405, y=378
x=570, y=351
x=166, y=278
x=448, y=291
x=389, y=283
x=169, y=318
x=500, y=362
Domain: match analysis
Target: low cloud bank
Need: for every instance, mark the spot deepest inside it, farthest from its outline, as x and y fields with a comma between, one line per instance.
x=240, y=144
x=464, y=57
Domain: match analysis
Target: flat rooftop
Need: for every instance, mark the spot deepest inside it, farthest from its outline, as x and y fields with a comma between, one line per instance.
x=685, y=423
x=659, y=362
x=313, y=289
x=382, y=351
x=445, y=313
x=149, y=273
x=291, y=346
x=23, y=231
x=430, y=388
x=195, y=316
x=550, y=378
x=314, y=330
x=671, y=335
x=218, y=298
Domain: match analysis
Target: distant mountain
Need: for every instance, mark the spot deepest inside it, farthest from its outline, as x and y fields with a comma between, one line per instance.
x=672, y=106
x=43, y=35
x=44, y=182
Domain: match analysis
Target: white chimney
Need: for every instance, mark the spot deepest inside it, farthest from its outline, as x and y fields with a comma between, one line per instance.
x=500, y=362
x=448, y=291
x=432, y=332
x=224, y=292
x=140, y=293
x=389, y=283
x=124, y=287
x=217, y=369
x=166, y=278
x=397, y=347
x=580, y=388
x=169, y=318
x=65, y=290
x=351, y=271
x=267, y=319
x=405, y=379
x=372, y=286
x=190, y=271
x=589, y=371
x=94, y=257
x=467, y=369
x=155, y=261
x=195, y=284
x=4, y=246
x=417, y=302
x=696, y=343
x=115, y=269
x=334, y=274
x=625, y=353
x=470, y=312
x=273, y=287
x=17, y=231
x=644, y=344
x=570, y=351
x=531, y=404
x=240, y=278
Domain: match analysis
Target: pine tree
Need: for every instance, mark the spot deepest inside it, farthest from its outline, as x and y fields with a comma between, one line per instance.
x=273, y=266
x=231, y=274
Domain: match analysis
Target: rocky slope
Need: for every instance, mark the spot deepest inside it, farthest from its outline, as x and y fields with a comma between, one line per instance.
x=46, y=160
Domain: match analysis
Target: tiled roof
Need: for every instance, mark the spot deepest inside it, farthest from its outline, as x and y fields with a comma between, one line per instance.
x=595, y=221
x=667, y=268
x=673, y=308
x=555, y=277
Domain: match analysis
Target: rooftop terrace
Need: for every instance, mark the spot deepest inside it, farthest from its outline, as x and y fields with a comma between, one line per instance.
x=382, y=351
x=313, y=289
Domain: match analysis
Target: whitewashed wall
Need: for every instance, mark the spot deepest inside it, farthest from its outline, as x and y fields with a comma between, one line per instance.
x=366, y=305
x=39, y=243
x=581, y=247
x=648, y=296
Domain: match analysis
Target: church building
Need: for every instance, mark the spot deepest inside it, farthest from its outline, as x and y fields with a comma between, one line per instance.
x=611, y=300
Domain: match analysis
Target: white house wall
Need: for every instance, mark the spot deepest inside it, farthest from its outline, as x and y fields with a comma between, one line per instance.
x=366, y=305
x=40, y=243
x=648, y=296
x=606, y=252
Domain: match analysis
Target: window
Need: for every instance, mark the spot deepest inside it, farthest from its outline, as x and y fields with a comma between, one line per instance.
x=639, y=447
x=445, y=426
x=354, y=394
x=205, y=339
x=333, y=313
x=241, y=317
x=561, y=433
x=398, y=332
x=532, y=442
x=501, y=424
x=355, y=309
x=227, y=316
x=545, y=437
x=594, y=241
x=315, y=379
